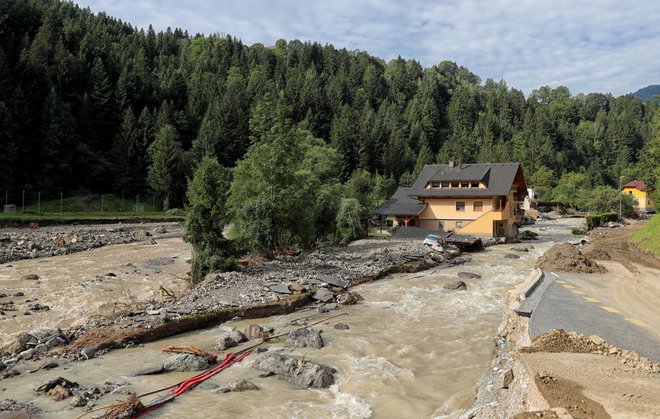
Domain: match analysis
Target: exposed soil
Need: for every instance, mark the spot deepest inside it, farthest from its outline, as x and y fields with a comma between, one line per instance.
x=565, y=257
x=595, y=251
x=617, y=243
x=560, y=392
x=584, y=384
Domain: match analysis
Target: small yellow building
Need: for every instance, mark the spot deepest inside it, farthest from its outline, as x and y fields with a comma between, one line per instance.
x=641, y=199
x=481, y=200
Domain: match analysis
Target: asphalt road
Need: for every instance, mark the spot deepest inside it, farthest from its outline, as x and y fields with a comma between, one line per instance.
x=563, y=305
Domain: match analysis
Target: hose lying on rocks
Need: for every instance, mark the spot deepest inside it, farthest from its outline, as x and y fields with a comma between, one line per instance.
x=133, y=408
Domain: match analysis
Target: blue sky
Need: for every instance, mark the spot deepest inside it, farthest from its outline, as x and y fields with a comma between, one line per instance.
x=588, y=46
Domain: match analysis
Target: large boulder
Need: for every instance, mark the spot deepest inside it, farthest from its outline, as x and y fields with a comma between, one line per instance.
x=299, y=372
x=305, y=338
x=229, y=339
x=20, y=343
x=186, y=362
x=324, y=295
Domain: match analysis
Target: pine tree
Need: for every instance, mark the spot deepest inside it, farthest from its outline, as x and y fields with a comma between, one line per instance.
x=166, y=168
x=207, y=217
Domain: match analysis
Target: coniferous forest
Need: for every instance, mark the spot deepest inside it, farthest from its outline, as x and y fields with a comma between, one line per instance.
x=89, y=103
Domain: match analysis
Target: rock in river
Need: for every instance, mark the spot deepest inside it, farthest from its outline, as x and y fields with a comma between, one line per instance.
x=242, y=385
x=299, y=372
x=230, y=339
x=468, y=275
x=304, y=338
x=186, y=362
x=323, y=295
x=455, y=285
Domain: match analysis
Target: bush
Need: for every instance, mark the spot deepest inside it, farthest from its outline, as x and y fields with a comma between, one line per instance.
x=578, y=231
x=597, y=220
x=348, y=220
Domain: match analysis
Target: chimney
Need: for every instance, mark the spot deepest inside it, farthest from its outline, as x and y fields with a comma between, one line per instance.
x=451, y=164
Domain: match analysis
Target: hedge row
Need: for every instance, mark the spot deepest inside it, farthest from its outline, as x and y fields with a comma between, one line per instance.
x=597, y=220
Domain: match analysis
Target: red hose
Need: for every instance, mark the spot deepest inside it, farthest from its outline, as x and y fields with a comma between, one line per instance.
x=230, y=359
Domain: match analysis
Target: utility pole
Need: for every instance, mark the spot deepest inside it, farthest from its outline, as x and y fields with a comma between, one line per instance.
x=620, y=184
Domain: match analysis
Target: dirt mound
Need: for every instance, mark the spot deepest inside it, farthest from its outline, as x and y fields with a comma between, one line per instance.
x=557, y=340
x=595, y=251
x=564, y=257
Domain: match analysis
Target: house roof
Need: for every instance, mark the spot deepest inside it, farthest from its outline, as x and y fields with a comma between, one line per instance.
x=401, y=203
x=497, y=177
x=637, y=184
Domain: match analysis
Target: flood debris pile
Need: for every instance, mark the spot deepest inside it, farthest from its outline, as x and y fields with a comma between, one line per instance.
x=28, y=346
x=60, y=388
x=558, y=340
x=327, y=272
x=565, y=257
x=9, y=405
x=24, y=243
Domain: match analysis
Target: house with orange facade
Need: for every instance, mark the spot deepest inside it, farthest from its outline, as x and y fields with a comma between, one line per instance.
x=482, y=200
x=641, y=199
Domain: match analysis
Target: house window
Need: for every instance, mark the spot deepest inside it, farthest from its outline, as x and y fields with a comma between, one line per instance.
x=445, y=184
x=475, y=184
x=460, y=206
x=477, y=206
x=435, y=184
x=455, y=184
x=629, y=192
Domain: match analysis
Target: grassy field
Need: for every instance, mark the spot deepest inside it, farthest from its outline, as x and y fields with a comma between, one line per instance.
x=88, y=208
x=648, y=236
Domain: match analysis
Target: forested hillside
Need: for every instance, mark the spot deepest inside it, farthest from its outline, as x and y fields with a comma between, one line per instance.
x=89, y=103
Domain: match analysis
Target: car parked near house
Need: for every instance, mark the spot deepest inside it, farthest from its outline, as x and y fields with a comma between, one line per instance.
x=431, y=240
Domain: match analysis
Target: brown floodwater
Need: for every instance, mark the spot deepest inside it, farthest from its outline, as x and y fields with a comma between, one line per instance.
x=413, y=350
x=77, y=286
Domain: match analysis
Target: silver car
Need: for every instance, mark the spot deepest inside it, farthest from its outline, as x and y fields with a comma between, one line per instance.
x=431, y=240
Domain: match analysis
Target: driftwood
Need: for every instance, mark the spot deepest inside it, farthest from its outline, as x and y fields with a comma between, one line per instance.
x=191, y=350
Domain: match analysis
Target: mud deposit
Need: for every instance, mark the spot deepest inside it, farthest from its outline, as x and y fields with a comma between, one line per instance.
x=68, y=290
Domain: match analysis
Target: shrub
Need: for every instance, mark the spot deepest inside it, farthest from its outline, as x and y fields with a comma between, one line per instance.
x=348, y=220
x=597, y=220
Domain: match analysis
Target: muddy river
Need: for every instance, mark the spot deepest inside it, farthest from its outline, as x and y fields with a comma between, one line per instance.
x=413, y=350
x=82, y=285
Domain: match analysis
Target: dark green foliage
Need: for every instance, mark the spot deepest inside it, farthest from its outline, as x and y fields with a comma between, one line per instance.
x=166, y=169
x=207, y=217
x=597, y=220
x=273, y=197
x=69, y=81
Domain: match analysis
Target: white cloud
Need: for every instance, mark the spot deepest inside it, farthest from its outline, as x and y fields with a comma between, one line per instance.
x=596, y=45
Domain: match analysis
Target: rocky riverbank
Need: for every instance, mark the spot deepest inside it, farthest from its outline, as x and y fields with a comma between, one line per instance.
x=38, y=242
